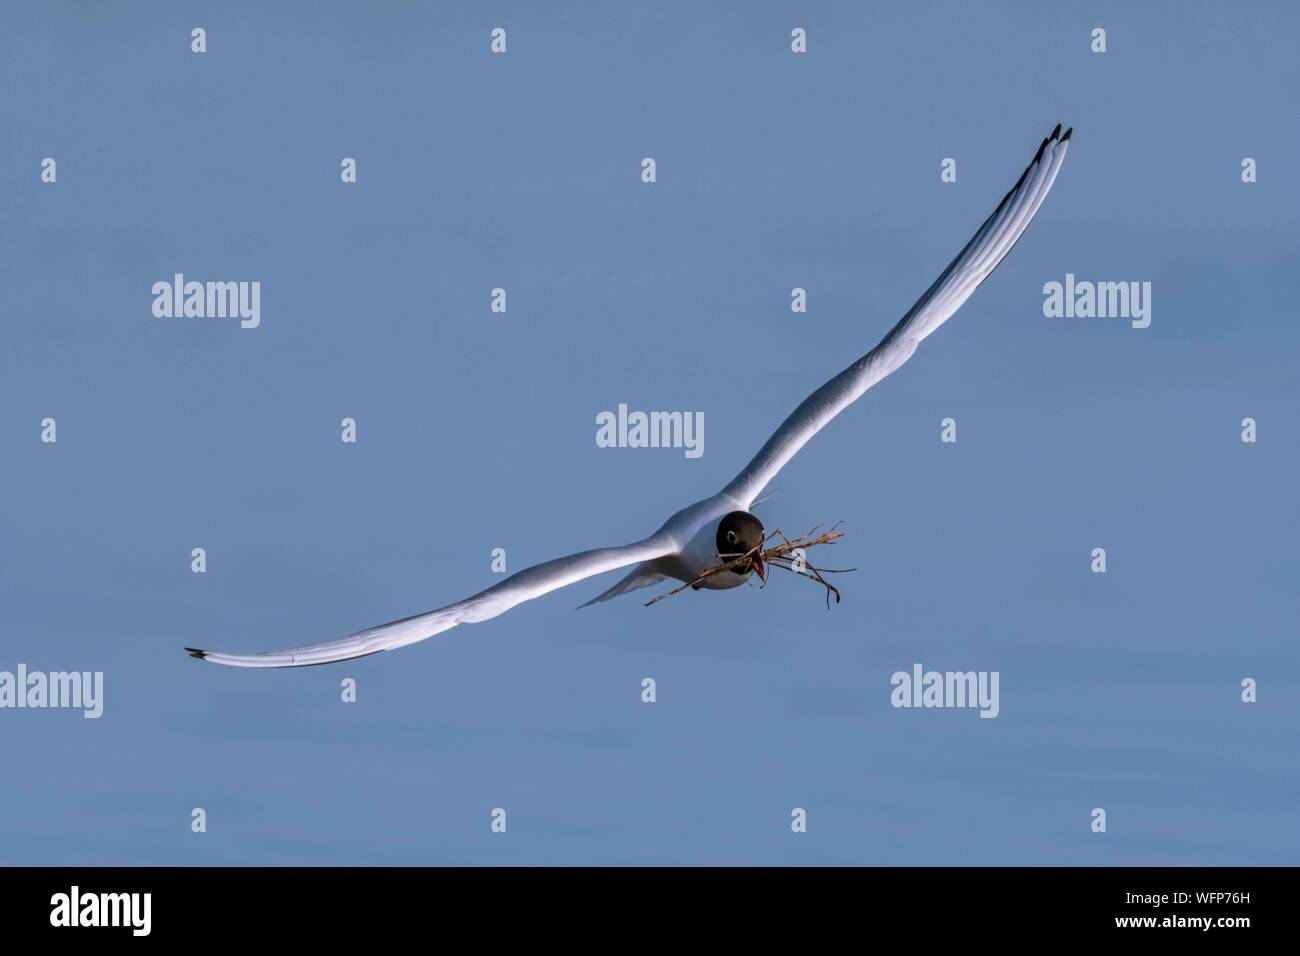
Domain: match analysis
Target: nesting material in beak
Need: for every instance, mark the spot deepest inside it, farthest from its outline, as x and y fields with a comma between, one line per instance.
x=778, y=556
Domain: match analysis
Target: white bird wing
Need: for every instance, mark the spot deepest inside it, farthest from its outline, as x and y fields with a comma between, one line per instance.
x=989, y=246
x=519, y=587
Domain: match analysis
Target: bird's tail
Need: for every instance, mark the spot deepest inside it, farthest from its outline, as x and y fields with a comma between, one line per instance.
x=641, y=576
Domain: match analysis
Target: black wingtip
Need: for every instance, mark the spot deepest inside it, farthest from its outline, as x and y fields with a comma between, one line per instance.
x=1056, y=133
x=1066, y=137
x=1039, y=155
x=195, y=652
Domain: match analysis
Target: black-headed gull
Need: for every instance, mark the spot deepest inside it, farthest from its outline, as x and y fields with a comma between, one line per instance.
x=693, y=538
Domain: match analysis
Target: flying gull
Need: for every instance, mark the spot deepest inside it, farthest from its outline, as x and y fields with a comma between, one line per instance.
x=695, y=537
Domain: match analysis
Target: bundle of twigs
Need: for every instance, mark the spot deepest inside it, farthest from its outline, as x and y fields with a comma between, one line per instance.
x=777, y=556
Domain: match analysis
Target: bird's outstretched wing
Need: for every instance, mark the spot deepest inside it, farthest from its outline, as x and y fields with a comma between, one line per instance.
x=963, y=276
x=522, y=586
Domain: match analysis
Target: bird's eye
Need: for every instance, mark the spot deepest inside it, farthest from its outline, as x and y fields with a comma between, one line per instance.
x=731, y=537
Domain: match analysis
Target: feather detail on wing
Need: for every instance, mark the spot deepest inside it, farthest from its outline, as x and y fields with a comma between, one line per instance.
x=989, y=246
x=519, y=587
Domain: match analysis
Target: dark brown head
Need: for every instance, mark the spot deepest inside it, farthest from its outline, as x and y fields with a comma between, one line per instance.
x=740, y=533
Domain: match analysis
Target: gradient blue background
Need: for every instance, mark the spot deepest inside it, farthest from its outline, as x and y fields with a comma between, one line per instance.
x=477, y=430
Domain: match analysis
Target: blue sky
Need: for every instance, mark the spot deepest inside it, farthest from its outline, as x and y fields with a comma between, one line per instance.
x=476, y=431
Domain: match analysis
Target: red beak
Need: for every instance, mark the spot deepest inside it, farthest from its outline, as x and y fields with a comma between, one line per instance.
x=759, y=569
